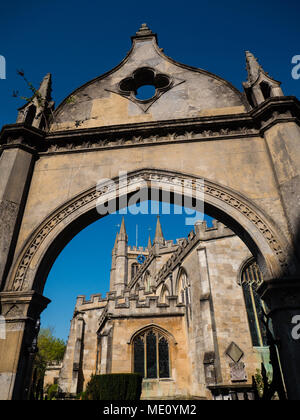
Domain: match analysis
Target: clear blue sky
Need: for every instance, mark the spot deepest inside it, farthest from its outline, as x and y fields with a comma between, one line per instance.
x=77, y=41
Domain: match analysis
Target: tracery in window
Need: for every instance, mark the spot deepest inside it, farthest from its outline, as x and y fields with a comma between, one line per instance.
x=151, y=355
x=251, y=278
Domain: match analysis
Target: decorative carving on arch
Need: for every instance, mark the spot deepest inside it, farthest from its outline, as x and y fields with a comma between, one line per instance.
x=158, y=178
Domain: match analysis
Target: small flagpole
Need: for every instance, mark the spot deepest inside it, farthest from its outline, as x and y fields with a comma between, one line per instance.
x=136, y=235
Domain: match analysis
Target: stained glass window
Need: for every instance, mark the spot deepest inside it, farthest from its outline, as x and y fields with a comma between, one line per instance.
x=139, y=356
x=151, y=355
x=163, y=353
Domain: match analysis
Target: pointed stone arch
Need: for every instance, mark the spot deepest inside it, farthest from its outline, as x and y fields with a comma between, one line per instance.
x=240, y=214
x=155, y=327
x=164, y=293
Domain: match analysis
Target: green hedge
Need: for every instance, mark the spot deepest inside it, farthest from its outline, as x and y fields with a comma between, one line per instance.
x=114, y=386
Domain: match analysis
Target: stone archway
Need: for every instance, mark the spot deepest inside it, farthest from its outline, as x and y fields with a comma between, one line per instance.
x=22, y=299
x=244, y=145
x=258, y=231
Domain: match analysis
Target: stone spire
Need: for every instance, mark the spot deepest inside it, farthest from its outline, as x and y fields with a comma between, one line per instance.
x=252, y=66
x=149, y=246
x=122, y=234
x=46, y=87
x=38, y=111
x=159, y=237
x=114, y=250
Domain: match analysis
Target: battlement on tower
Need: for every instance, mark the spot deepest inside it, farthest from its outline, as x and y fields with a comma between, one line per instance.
x=139, y=249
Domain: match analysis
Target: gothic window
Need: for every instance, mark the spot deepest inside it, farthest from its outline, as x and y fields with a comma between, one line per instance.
x=250, y=280
x=183, y=290
x=134, y=269
x=164, y=294
x=151, y=355
x=184, y=294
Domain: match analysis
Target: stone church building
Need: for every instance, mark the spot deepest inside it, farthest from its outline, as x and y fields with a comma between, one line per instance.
x=185, y=315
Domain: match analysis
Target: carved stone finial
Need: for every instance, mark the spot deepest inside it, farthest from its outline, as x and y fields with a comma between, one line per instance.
x=144, y=30
x=37, y=112
x=252, y=66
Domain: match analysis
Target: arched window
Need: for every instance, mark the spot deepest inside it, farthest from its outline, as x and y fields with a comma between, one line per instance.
x=134, y=269
x=251, y=278
x=164, y=293
x=183, y=289
x=151, y=355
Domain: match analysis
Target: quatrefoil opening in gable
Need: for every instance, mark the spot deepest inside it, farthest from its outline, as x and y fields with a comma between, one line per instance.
x=145, y=86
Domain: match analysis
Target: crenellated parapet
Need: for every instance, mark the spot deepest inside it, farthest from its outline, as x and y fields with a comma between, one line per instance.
x=137, y=249
x=184, y=245
x=95, y=299
x=151, y=306
x=217, y=231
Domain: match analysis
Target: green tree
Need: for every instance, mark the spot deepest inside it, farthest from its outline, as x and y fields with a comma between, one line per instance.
x=50, y=351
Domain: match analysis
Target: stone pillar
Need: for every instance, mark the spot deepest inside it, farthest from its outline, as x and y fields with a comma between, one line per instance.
x=104, y=348
x=283, y=301
x=209, y=356
x=282, y=140
x=21, y=311
x=66, y=372
x=77, y=360
x=112, y=272
x=15, y=168
x=106, y=354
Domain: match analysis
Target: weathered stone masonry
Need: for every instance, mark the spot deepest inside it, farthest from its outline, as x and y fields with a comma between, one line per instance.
x=197, y=126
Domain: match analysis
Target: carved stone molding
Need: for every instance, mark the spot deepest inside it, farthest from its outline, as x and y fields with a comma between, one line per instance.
x=147, y=175
x=108, y=142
